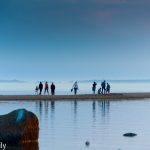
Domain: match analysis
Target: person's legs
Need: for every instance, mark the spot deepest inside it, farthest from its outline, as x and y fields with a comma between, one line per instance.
x=40, y=91
x=94, y=90
x=47, y=91
x=75, y=91
x=52, y=92
x=102, y=90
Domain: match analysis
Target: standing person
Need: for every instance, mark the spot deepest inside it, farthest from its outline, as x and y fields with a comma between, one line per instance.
x=103, y=85
x=108, y=88
x=46, y=88
x=36, y=89
x=52, y=89
x=40, y=88
x=94, y=87
x=75, y=87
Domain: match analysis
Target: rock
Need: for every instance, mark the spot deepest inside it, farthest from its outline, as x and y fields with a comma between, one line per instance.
x=130, y=134
x=87, y=143
x=23, y=146
x=19, y=126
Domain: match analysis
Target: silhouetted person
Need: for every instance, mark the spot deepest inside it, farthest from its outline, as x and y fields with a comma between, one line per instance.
x=36, y=89
x=103, y=85
x=108, y=88
x=75, y=87
x=46, y=88
x=99, y=91
x=94, y=87
x=52, y=89
x=40, y=88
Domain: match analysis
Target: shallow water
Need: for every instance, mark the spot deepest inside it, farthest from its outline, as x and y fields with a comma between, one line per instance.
x=66, y=125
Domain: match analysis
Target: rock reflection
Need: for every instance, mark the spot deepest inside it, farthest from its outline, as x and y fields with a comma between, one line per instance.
x=27, y=146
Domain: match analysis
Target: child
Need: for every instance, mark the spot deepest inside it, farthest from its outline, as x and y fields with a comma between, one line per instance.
x=36, y=90
x=99, y=91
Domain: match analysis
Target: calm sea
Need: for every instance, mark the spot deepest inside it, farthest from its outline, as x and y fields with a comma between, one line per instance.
x=67, y=125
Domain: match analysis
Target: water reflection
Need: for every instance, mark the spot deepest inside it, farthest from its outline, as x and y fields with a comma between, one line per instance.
x=75, y=108
x=104, y=107
x=52, y=109
x=43, y=107
x=39, y=108
x=46, y=108
x=94, y=110
x=29, y=146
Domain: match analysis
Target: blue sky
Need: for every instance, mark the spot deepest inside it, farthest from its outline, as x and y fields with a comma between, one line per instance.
x=74, y=39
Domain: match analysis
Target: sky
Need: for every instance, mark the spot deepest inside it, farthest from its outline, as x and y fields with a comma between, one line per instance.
x=74, y=39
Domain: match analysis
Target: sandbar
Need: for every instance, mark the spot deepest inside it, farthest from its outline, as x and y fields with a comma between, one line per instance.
x=80, y=97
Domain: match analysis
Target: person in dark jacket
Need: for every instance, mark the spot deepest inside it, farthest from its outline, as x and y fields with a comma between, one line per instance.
x=108, y=88
x=40, y=88
x=94, y=87
x=52, y=89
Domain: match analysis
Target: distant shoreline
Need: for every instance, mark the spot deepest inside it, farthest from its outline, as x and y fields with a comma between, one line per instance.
x=80, y=97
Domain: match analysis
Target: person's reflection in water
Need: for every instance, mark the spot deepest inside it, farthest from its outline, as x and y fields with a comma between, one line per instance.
x=104, y=107
x=75, y=109
x=94, y=110
x=25, y=146
x=52, y=108
x=38, y=106
x=46, y=106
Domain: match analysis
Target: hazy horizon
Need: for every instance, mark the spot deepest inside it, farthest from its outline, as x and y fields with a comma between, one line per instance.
x=80, y=81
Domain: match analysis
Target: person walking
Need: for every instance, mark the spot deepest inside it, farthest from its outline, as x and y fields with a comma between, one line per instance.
x=75, y=87
x=46, y=88
x=94, y=87
x=40, y=88
x=52, y=89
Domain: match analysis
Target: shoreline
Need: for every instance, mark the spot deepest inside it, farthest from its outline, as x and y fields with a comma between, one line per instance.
x=80, y=97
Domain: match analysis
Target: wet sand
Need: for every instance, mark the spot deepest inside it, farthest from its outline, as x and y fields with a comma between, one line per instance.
x=112, y=96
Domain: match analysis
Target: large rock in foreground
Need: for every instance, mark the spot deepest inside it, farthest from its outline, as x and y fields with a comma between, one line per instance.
x=19, y=126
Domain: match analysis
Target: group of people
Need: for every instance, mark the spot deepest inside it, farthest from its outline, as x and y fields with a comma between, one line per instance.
x=104, y=89
x=39, y=88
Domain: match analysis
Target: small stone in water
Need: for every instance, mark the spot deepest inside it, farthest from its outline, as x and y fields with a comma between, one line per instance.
x=87, y=143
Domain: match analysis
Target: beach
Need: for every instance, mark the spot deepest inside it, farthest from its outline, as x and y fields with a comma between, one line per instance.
x=111, y=96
